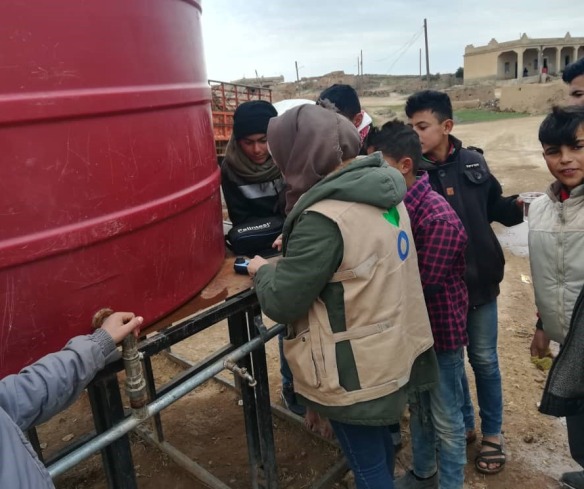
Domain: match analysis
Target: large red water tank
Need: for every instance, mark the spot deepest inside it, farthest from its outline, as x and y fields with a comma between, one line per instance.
x=109, y=187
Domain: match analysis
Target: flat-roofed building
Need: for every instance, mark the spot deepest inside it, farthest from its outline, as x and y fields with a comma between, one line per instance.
x=524, y=57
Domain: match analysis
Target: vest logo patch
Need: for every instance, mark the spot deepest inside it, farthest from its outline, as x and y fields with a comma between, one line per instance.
x=472, y=165
x=392, y=216
x=403, y=245
x=450, y=191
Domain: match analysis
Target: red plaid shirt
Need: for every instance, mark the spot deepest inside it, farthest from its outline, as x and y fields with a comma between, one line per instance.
x=440, y=241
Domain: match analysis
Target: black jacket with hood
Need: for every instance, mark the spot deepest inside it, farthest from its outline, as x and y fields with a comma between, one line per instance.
x=465, y=181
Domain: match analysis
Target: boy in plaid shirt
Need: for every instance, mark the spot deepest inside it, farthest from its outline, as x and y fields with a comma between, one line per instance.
x=440, y=238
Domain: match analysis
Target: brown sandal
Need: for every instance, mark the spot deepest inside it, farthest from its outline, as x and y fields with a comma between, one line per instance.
x=495, y=456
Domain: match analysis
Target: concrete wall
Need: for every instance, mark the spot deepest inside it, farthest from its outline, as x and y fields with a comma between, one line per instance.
x=551, y=55
x=530, y=62
x=520, y=81
x=480, y=67
x=533, y=99
x=466, y=104
x=506, y=65
x=471, y=93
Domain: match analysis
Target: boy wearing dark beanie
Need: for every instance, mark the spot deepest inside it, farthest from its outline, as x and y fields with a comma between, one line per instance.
x=252, y=118
x=252, y=185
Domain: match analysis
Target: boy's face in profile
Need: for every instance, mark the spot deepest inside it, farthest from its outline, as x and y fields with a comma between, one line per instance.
x=431, y=131
x=566, y=162
x=576, y=91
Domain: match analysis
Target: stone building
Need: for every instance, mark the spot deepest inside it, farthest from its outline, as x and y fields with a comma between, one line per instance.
x=524, y=57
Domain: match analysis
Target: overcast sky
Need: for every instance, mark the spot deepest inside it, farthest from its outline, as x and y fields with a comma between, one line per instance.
x=242, y=36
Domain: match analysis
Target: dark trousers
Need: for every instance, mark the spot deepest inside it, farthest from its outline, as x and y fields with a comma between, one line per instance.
x=576, y=437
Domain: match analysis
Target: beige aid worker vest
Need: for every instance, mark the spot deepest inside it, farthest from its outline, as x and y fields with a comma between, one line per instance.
x=385, y=313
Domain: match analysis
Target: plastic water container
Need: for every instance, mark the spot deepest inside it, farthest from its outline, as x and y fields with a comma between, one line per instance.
x=109, y=186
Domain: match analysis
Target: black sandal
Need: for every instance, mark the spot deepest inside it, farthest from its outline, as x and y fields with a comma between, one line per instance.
x=495, y=456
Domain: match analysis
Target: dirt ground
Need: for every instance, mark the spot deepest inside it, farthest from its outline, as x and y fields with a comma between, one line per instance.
x=208, y=425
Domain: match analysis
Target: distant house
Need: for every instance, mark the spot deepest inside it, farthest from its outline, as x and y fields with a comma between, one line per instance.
x=523, y=57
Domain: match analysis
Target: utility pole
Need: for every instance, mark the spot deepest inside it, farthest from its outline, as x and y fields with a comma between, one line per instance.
x=361, y=62
x=427, y=54
x=358, y=68
x=297, y=77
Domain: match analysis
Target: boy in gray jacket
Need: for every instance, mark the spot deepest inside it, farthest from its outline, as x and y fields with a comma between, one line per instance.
x=556, y=240
x=41, y=390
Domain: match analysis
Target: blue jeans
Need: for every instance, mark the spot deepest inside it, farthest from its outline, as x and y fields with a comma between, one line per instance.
x=467, y=409
x=369, y=452
x=285, y=372
x=482, y=327
x=436, y=422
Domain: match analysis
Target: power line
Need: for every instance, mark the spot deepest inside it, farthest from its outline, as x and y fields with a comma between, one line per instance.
x=405, y=49
x=406, y=44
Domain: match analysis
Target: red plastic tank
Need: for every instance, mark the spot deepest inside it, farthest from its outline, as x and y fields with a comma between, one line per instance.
x=109, y=186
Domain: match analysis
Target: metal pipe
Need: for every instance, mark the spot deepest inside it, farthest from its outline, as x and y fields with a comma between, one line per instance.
x=109, y=436
x=229, y=364
x=135, y=382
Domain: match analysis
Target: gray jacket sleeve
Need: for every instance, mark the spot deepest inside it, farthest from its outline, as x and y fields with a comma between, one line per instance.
x=48, y=386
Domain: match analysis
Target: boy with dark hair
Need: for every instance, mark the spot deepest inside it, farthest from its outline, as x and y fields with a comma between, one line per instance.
x=463, y=178
x=252, y=184
x=345, y=101
x=574, y=76
x=556, y=241
x=436, y=420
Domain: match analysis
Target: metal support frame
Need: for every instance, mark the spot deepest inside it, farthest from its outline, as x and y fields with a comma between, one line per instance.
x=267, y=468
x=336, y=471
x=237, y=333
x=108, y=410
x=246, y=348
x=33, y=438
x=150, y=384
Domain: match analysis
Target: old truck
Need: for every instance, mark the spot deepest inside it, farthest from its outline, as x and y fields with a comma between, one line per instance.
x=225, y=98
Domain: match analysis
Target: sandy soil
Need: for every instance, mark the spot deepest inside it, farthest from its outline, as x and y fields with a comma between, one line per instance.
x=208, y=426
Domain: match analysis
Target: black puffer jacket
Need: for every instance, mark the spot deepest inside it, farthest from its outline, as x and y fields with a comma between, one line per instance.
x=475, y=194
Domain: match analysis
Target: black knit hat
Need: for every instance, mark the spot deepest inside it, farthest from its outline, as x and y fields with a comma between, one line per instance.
x=252, y=118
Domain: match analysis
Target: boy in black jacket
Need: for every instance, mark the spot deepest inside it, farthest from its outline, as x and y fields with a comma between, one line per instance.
x=463, y=178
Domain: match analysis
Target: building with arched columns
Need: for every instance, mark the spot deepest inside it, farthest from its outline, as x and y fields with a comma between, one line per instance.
x=524, y=57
